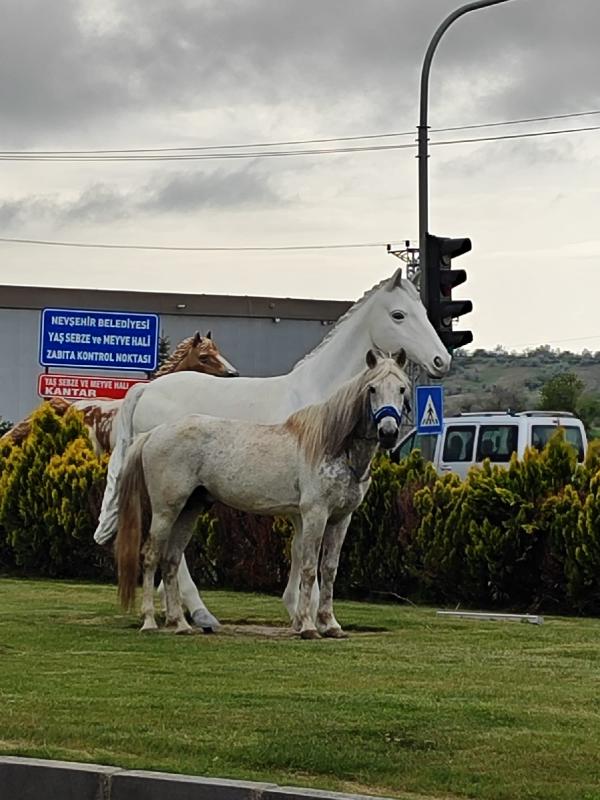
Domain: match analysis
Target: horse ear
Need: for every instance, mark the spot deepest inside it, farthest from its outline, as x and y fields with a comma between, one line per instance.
x=209, y=335
x=197, y=339
x=395, y=280
x=401, y=357
x=371, y=359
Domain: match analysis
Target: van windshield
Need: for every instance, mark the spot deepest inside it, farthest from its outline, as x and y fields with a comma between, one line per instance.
x=541, y=435
x=412, y=442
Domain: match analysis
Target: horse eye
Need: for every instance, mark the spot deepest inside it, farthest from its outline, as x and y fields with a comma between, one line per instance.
x=402, y=390
x=372, y=389
x=398, y=315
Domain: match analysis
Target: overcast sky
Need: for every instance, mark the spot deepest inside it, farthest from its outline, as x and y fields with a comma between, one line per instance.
x=146, y=74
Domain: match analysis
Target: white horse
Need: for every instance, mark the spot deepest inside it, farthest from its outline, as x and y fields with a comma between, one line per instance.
x=388, y=317
x=313, y=469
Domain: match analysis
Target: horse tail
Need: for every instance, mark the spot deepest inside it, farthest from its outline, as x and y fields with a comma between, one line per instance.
x=109, y=513
x=133, y=497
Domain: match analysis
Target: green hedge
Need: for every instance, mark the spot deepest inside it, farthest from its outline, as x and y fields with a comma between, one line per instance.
x=50, y=493
x=525, y=537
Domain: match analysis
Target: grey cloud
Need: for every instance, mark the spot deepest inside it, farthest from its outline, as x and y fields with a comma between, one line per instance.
x=98, y=203
x=519, y=58
x=15, y=212
x=12, y=211
x=180, y=193
x=190, y=191
x=502, y=157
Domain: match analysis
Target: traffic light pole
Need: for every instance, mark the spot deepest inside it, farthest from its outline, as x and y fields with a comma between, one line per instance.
x=422, y=156
x=423, y=135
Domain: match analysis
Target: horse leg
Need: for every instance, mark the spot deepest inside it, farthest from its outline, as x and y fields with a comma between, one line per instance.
x=164, y=542
x=292, y=590
x=181, y=534
x=313, y=526
x=175, y=616
x=333, y=539
x=150, y=563
x=201, y=616
x=190, y=597
x=290, y=595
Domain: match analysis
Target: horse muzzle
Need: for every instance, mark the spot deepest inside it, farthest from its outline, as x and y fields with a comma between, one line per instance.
x=387, y=433
x=439, y=366
x=387, y=419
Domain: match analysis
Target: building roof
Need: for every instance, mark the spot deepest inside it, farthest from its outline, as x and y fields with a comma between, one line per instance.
x=182, y=304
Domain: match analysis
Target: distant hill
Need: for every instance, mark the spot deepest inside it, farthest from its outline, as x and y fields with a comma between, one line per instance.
x=497, y=380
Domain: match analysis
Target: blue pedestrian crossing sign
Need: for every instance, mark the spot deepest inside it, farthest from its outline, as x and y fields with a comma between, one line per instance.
x=430, y=409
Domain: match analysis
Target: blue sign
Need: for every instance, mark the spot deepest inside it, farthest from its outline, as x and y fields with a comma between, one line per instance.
x=430, y=409
x=111, y=340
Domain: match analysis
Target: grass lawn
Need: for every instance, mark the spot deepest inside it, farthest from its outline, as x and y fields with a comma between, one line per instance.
x=411, y=705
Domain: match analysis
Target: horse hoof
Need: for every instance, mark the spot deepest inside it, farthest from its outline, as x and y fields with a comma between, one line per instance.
x=183, y=631
x=149, y=629
x=202, y=618
x=335, y=633
x=310, y=633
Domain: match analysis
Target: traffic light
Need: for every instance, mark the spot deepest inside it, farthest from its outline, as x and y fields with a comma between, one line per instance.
x=441, y=280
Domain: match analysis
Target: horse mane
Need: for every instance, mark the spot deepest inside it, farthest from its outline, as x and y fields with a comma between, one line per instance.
x=346, y=315
x=171, y=363
x=324, y=429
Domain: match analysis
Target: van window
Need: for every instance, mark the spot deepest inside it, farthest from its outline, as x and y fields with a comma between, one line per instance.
x=541, y=434
x=458, y=445
x=497, y=442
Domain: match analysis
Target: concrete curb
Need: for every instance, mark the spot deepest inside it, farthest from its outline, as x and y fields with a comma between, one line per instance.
x=38, y=779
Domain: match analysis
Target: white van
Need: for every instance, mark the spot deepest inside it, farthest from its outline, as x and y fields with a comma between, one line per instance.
x=470, y=438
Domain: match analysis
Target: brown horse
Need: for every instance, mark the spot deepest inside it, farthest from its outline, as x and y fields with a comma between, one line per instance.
x=195, y=354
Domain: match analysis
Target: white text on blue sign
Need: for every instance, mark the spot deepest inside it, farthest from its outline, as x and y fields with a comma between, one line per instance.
x=109, y=339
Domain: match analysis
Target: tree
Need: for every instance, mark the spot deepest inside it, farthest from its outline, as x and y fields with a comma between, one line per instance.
x=5, y=426
x=504, y=398
x=164, y=351
x=561, y=393
x=588, y=409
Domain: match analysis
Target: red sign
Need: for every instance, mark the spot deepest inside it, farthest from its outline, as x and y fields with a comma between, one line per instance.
x=78, y=387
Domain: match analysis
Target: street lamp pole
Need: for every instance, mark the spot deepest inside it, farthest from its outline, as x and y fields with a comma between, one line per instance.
x=428, y=442
x=423, y=136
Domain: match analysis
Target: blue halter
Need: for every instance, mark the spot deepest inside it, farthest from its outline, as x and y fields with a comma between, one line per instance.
x=386, y=411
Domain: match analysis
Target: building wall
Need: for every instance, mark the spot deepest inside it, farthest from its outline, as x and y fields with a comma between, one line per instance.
x=246, y=332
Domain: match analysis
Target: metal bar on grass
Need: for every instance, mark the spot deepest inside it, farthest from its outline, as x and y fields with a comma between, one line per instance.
x=532, y=619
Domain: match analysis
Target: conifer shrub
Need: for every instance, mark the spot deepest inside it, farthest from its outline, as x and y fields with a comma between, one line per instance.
x=582, y=554
x=526, y=537
x=50, y=490
x=377, y=556
x=7, y=556
x=241, y=551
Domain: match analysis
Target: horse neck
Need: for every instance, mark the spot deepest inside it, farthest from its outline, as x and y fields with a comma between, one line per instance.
x=334, y=361
x=362, y=447
x=184, y=364
x=176, y=363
